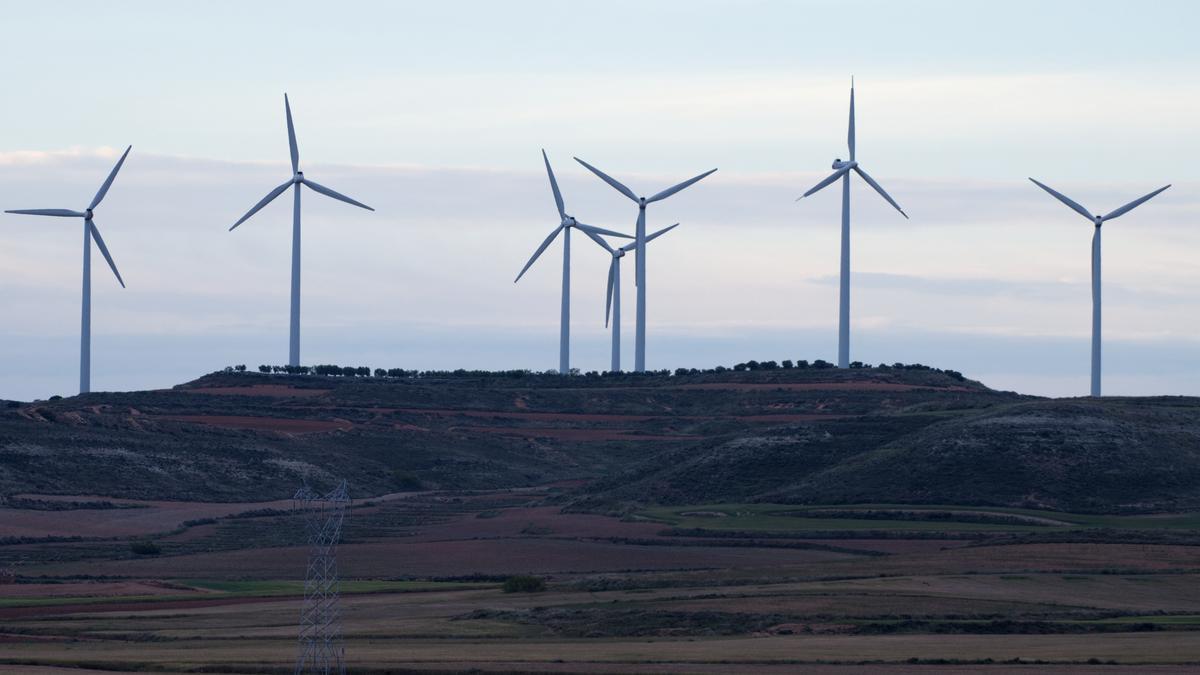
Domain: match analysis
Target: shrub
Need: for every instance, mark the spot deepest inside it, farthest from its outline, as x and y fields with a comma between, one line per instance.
x=524, y=583
x=145, y=547
x=406, y=481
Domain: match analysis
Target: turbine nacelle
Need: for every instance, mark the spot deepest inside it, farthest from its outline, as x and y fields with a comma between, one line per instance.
x=1098, y=220
x=298, y=178
x=838, y=164
x=87, y=214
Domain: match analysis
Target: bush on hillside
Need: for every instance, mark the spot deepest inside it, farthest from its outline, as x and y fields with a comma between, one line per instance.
x=524, y=583
x=145, y=547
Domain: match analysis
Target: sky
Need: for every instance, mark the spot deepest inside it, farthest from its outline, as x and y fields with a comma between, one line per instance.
x=435, y=114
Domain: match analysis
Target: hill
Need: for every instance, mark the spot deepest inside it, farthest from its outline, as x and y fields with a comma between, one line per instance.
x=800, y=435
x=1080, y=455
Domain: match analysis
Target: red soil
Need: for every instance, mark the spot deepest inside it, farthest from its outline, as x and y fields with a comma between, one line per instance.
x=593, y=417
x=545, y=520
x=157, y=516
x=532, y=416
x=278, y=424
x=92, y=589
x=10, y=613
x=576, y=434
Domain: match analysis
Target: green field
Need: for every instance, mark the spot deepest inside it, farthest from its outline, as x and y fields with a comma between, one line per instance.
x=791, y=518
x=241, y=589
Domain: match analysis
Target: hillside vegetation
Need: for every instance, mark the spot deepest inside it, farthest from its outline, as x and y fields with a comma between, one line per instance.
x=800, y=436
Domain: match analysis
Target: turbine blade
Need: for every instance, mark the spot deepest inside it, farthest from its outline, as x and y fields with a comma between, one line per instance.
x=558, y=200
x=62, y=213
x=598, y=230
x=287, y=107
x=1133, y=204
x=538, y=252
x=661, y=232
x=672, y=190
x=880, y=190
x=104, y=250
x=109, y=181
x=609, y=179
x=336, y=195
x=598, y=239
x=850, y=134
x=820, y=186
x=612, y=269
x=263, y=202
x=1065, y=199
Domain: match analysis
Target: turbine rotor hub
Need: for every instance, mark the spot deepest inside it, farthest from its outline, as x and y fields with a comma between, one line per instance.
x=298, y=177
x=87, y=214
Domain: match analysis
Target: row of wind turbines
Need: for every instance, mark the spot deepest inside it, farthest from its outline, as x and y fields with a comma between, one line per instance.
x=841, y=172
x=91, y=232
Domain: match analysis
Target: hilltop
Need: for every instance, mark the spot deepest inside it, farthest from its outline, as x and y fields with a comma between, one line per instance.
x=616, y=443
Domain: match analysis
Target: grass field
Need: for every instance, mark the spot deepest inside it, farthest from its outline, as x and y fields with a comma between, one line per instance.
x=941, y=518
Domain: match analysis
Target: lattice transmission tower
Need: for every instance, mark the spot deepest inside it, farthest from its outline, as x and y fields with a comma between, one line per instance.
x=321, y=647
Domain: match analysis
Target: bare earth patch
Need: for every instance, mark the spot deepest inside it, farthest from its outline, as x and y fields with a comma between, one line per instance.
x=277, y=424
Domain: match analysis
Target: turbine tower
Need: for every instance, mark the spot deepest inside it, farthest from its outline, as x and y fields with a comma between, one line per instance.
x=842, y=170
x=565, y=223
x=90, y=232
x=295, y=182
x=1097, y=221
x=639, y=355
x=612, y=304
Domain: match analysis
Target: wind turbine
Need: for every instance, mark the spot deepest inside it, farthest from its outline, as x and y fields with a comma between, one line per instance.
x=639, y=355
x=295, y=182
x=1098, y=221
x=842, y=170
x=90, y=231
x=612, y=304
x=565, y=223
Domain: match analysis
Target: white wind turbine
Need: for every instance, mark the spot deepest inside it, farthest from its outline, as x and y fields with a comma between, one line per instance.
x=842, y=170
x=90, y=231
x=639, y=355
x=295, y=182
x=1098, y=221
x=612, y=304
x=565, y=223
